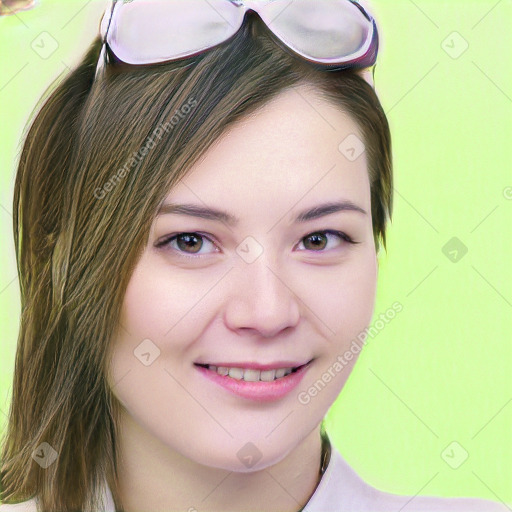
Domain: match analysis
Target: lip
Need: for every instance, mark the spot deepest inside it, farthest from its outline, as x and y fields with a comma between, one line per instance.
x=258, y=391
x=256, y=366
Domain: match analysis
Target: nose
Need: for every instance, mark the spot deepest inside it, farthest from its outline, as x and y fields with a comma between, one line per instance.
x=261, y=300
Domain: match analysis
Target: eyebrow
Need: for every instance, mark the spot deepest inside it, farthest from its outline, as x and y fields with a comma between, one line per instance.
x=316, y=212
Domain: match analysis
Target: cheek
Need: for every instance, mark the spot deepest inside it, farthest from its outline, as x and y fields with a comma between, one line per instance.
x=157, y=299
x=163, y=312
x=346, y=307
x=343, y=297
x=359, y=294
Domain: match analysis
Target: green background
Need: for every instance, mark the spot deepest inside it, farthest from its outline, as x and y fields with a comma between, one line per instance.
x=440, y=371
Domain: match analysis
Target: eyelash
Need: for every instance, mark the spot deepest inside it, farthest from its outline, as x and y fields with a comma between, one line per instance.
x=166, y=242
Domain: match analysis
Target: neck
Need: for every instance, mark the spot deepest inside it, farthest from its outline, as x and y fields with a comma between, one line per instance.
x=153, y=476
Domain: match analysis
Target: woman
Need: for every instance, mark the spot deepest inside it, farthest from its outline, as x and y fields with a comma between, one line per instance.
x=198, y=211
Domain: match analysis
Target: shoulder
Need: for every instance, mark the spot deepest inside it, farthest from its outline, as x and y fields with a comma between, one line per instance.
x=24, y=506
x=359, y=496
x=382, y=501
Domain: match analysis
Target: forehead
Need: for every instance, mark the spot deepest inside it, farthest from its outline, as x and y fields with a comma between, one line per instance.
x=291, y=151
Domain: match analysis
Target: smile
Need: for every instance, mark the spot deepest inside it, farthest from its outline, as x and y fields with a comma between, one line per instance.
x=261, y=385
x=250, y=374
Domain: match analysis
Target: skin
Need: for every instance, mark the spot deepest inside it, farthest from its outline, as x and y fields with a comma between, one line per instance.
x=180, y=433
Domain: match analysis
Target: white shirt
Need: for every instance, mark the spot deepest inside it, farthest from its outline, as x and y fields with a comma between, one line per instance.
x=342, y=490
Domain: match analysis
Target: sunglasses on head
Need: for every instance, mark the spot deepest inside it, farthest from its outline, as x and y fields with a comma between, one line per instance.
x=332, y=34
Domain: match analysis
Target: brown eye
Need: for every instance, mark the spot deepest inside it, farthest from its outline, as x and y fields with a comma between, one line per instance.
x=318, y=241
x=186, y=241
x=185, y=244
x=189, y=245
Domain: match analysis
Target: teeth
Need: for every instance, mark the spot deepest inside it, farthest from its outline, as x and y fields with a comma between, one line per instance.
x=236, y=373
x=280, y=372
x=221, y=370
x=267, y=375
x=251, y=375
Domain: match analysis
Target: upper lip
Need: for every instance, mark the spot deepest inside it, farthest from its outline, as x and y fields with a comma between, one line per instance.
x=257, y=366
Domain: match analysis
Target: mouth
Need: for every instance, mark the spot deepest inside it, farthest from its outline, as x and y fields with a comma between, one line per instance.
x=250, y=372
x=256, y=382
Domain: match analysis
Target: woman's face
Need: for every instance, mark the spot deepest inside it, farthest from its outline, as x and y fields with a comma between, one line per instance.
x=267, y=289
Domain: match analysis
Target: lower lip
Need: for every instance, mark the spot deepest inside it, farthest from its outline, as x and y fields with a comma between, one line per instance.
x=259, y=391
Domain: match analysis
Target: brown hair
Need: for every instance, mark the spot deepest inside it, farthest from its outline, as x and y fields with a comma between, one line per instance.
x=85, y=197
